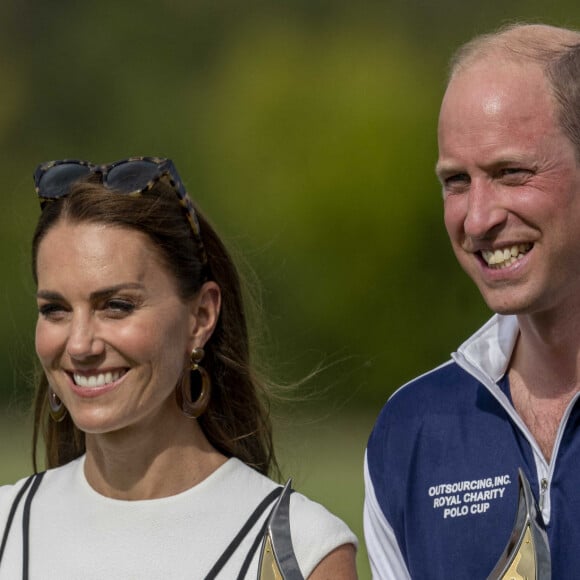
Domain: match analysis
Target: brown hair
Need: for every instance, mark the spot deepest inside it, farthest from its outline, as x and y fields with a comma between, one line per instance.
x=556, y=50
x=237, y=421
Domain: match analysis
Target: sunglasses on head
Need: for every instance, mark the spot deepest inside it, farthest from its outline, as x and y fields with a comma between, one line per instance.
x=133, y=176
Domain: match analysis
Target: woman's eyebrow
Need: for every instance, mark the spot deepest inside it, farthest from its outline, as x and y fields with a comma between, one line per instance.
x=108, y=291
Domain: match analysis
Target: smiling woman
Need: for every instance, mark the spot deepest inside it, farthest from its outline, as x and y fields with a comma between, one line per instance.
x=158, y=442
x=93, y=335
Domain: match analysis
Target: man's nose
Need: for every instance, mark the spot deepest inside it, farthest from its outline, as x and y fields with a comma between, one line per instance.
x=485, y=210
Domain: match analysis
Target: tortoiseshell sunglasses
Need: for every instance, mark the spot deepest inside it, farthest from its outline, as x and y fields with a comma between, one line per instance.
x=132, y=176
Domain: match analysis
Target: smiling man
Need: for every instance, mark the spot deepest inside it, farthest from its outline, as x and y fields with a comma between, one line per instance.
x=442, y=462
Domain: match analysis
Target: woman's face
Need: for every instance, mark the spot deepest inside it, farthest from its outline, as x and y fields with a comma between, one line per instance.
x=113, y=335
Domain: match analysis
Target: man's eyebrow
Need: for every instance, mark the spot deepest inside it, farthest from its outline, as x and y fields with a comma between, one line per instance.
x=97, y=294
x=444, y=169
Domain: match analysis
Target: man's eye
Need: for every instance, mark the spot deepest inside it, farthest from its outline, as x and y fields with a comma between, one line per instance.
x=456, y=182
x=458, y=178
x=514, y=174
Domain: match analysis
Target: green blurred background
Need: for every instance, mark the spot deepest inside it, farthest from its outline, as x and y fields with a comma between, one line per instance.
x=306, y=132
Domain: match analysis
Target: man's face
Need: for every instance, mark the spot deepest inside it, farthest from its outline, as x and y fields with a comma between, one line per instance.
x=511, y=186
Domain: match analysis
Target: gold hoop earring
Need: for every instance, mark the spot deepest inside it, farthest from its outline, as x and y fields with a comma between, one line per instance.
x=55, y=407
x=199, y=381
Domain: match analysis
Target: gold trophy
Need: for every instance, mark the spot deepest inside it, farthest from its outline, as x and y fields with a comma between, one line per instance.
x=277, y=558
x=527, y=554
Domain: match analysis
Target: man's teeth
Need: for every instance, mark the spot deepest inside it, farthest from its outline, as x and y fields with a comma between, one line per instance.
x=97, y=380
x=506, y=257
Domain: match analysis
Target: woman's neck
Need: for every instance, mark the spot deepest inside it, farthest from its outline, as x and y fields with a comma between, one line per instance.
x=140, y=463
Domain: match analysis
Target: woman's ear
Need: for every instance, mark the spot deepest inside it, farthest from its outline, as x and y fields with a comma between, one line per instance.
x=205, y=311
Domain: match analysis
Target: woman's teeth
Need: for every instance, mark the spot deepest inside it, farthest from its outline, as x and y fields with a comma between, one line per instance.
x=99, y=380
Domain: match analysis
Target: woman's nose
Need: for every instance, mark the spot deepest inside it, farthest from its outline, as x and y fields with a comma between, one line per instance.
x=83, y=340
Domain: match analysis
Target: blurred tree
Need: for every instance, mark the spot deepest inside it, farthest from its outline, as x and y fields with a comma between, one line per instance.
x=305, y=129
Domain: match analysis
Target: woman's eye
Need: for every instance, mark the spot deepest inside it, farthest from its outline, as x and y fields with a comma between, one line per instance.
x=51, y=311
x=120, y=306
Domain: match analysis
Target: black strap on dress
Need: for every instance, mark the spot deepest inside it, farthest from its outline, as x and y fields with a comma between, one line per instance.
x=30, y=486
x=250, y=522
x=33, y=482
x=251, y=552
x=26, y=524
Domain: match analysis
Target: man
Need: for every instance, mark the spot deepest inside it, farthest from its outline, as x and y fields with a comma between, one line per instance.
x=442, y=462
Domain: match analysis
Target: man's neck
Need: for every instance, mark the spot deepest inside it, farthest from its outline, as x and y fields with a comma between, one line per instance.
x=545, y=375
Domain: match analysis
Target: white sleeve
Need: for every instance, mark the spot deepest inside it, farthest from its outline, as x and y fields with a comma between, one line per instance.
x=387, y=562
x=315, y=532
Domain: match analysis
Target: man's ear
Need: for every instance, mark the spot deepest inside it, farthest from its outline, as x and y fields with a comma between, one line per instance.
x=204, y=314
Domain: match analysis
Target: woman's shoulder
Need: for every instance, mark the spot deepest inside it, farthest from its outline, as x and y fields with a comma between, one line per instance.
x=311, y=515
x=10, y=494
x=9, y=491
x=304, y=511
x=315, y=531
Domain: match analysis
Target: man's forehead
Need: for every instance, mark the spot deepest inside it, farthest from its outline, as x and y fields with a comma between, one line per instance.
x=489, y=86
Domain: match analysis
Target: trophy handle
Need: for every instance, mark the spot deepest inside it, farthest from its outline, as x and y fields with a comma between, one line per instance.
x=527, y=554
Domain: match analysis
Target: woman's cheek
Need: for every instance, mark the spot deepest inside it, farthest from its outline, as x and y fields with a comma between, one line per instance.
x=47, y=340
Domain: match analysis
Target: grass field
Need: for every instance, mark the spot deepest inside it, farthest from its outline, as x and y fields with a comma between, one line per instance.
x=324, y=456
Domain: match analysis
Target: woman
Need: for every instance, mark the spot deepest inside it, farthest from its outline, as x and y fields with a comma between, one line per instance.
x=157, y=441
